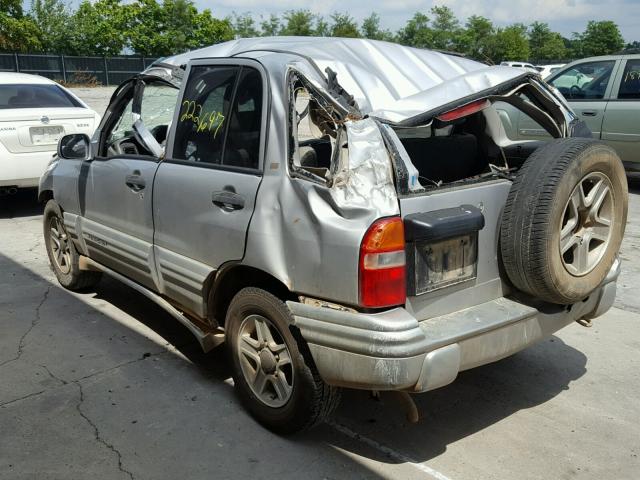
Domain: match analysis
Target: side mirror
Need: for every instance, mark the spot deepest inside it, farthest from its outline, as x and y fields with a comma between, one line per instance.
x=74, y=147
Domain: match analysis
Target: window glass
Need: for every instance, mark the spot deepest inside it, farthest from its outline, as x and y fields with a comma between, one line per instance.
x=35, y=96
x=204, y=113
x=630, y=83
x=585, y=81
x=242, y=148
x=122, y=130
x=157, y=107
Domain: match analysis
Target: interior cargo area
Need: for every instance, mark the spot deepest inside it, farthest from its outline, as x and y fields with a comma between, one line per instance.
x=469, y=147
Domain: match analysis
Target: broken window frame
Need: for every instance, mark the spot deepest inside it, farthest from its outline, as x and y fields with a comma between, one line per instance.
x=328, y=104
x=132, y=90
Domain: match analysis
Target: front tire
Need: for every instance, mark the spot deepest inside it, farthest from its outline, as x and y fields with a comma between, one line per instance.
x=273, y=372
x=63, y=256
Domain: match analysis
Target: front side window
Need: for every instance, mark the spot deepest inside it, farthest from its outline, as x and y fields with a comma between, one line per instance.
x=630, y=83
x=156, y=113
x=220, y=117
x=587, y=81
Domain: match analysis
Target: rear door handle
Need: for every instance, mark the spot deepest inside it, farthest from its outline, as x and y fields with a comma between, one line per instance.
x=135, y=182
x=589, y=113
x=228, y=200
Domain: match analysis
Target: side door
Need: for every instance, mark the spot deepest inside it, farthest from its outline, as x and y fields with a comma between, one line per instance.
x=204, y=191
x=587, y=86
x=115, y=186
x=621, y=126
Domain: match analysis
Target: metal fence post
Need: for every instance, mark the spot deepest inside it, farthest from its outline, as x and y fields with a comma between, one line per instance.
x=64, y=69
x=15, y=55
x=106, y=71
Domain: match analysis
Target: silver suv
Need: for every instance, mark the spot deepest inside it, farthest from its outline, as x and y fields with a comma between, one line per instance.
x=340, y=213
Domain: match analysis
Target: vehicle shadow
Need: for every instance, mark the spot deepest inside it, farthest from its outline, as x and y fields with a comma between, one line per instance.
x=633, y=181
x=22, y=204
x=147, y=312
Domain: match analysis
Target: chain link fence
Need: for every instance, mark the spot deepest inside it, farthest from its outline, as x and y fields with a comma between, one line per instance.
x=72, y=69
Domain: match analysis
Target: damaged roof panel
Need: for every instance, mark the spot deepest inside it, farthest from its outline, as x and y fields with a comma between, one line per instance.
x=389, y=81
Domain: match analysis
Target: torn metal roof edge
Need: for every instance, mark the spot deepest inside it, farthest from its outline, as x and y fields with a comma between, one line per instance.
x=388, y=81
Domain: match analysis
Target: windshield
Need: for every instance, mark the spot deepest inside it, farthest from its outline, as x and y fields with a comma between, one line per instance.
x=35, y=96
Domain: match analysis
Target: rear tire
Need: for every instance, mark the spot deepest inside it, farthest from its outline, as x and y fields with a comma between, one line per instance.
x=564, y=220
x=273, y=371
x=63, y=256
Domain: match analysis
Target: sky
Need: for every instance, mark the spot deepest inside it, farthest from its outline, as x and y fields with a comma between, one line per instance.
x=564, y=16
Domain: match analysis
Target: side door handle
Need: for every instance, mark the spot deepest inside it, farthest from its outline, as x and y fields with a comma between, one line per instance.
x=228, y=200
x=589, y=113
x=135, y=181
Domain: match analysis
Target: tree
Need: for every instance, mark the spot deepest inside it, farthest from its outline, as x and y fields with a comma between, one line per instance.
x=243, y=25
x=371, y=28
x=173, y=27
x=322, y=27
x=475, y=40
x=18, y=32
x=344, y=26
x=416, y=33
x=545, y=44
x=509, y=43
x=51, y=18
x=298, y=22
x=271, y=26
x=600, y=38
x=445, y=28
x=99, y=28
x=12, y=8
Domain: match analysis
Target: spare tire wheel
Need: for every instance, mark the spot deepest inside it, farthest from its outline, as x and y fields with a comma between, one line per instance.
x=564, y=220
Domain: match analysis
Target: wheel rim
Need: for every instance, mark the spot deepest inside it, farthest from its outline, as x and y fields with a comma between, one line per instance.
x=60, y=248
x=265, y=361
x=586, y=225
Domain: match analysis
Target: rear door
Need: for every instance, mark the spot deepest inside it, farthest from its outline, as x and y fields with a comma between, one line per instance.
x=205, y=190
x=621, y=126
x=115, y=187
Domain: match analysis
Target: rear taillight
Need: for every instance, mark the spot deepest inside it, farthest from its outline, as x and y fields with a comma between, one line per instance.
x=463, y=111
x=382, y=264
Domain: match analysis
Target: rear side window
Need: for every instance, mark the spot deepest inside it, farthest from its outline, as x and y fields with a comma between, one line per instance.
x=242, y=148
x=35, y=96
x=204, y=113
x=220, y=117
x=630, y=83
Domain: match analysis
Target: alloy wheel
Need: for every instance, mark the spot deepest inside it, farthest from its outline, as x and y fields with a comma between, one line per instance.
x=585, y=229
x=265, y=361
x=60, y=247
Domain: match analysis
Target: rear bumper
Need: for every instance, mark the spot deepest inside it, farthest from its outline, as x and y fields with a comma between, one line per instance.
x=22, y=169
x=395, y=351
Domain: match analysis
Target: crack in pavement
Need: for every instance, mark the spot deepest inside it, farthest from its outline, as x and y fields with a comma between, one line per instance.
x=123, y=364
x=65, y=382
x=97, y=435
x=55, y=377
x=34, y=322
x=35, y=394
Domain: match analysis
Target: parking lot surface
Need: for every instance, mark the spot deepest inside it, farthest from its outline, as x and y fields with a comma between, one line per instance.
x=107, y=385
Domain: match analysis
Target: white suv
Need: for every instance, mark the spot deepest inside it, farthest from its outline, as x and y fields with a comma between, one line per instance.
x=34, y=113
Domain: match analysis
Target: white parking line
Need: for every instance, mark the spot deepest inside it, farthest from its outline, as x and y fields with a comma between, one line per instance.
x=400, y=457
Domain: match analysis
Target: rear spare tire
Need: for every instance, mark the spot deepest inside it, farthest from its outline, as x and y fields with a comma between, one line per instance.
x=564, y=220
